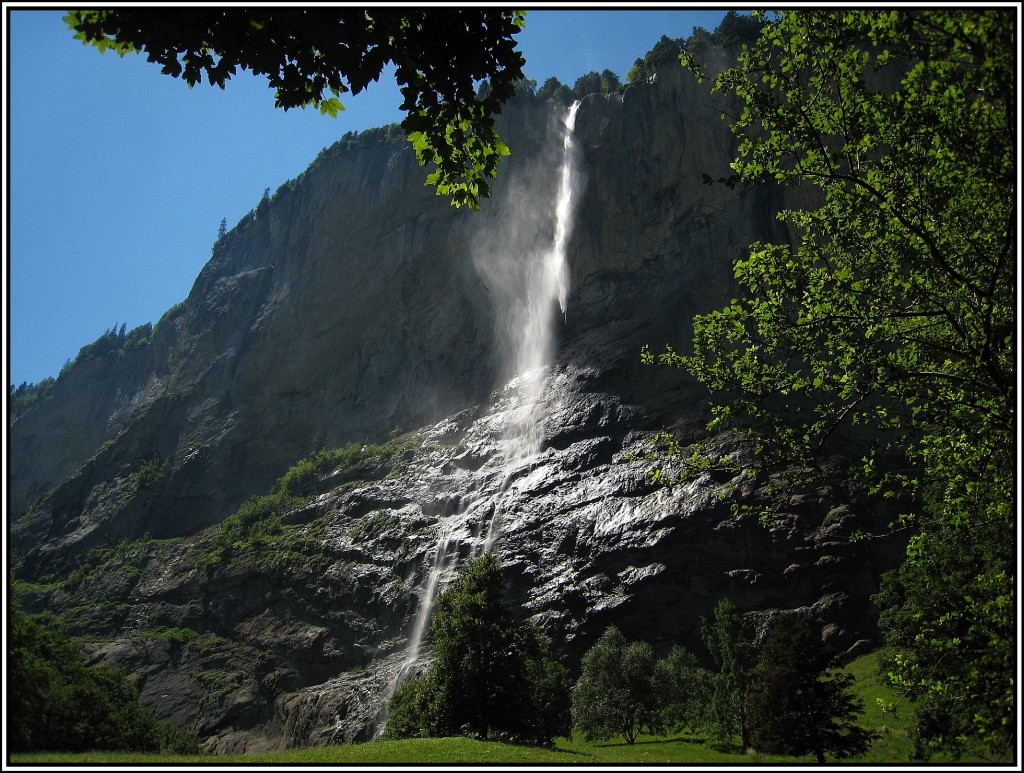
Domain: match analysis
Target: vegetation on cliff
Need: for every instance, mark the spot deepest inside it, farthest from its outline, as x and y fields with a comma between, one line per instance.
x=56, y=703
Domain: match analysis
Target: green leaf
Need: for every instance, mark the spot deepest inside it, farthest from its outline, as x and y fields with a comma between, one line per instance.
x=331, y=107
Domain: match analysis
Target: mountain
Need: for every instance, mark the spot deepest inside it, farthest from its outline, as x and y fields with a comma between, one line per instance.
x=356, y=310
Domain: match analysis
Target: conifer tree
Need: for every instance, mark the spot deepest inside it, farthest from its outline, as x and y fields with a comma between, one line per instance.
x=798, y=706
x=730, y=643
x=490, y=673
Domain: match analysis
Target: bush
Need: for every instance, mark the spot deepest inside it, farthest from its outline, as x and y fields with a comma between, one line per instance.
x=58, y=704
x=301, y=479
x=177, y=740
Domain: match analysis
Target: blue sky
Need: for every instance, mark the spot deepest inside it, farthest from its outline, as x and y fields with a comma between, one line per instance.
x=119, y=176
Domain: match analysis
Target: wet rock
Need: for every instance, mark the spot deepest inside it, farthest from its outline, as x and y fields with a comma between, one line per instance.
x=307, y=650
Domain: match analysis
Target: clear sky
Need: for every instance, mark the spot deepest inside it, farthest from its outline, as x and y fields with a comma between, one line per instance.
x=119, y=176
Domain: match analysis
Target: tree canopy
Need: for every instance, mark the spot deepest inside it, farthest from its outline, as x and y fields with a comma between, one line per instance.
x=57, y=703
x=311, y=56
x=729, y=641
x=892, y=312
x=621, y=690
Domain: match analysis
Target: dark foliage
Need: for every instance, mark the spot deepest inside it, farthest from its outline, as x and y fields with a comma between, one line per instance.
x=56, y=703
x=27, y=395
x=729, y=640
x=890, y=317
x=490, y=676
x=936, y=634
x=665, y=51
x=311, y=56
x=797, y=706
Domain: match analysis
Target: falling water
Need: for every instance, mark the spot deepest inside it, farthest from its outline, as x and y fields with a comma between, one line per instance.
x=558, y=267
x=547, y=282
x=544, y=281
x=440, y=565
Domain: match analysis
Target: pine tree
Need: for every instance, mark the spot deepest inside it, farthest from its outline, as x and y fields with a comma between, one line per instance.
x=490, y=674
x=798, y=705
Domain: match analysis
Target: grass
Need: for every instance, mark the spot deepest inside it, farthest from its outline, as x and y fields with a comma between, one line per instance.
x=435, y=751
x=895, y=744
x=892, y=746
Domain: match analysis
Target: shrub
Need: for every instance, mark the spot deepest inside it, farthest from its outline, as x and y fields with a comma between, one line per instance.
x=56, y=703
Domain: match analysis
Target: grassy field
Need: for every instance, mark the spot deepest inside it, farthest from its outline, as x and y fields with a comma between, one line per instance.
x=892, y=746
x=433, y=751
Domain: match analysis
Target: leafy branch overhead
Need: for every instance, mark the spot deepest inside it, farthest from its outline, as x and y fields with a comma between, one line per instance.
x=891, y=317
x=312, y=56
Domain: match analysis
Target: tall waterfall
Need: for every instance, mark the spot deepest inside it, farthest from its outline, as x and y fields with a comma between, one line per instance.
x=531, y=286
x=544, y=282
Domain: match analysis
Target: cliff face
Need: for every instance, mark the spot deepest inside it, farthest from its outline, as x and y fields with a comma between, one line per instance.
x=357, y=302
x=351, y=303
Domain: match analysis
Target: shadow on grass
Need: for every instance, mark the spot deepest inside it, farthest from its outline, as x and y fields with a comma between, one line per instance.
x=678, y=740
x=573, y=752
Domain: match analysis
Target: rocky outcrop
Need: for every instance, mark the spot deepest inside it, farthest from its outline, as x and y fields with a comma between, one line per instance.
x=356, y=303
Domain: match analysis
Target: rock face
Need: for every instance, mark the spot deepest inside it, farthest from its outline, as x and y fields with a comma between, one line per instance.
x=356, y=303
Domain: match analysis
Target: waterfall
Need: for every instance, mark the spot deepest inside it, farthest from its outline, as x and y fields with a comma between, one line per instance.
x=558, y=266
x=544, y=283
x=440, y=565
x=531, y=286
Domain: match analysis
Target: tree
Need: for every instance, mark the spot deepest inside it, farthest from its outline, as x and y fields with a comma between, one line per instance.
x=489, y=674
x=588, y=83
x=666, y=50
x=311, y=56
x=618, y=692
x=891, y=313
x=737, y=28
x=550, y=713
x=687, y=688
x=610, y=82
x=927, y=647
x=553, y=90
x=527, y=86
x=57, y=703
x=798, y=705
x=730, y=644
x=410, y=710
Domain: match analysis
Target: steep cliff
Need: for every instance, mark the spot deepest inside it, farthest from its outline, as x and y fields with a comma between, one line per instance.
x=355, y=302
